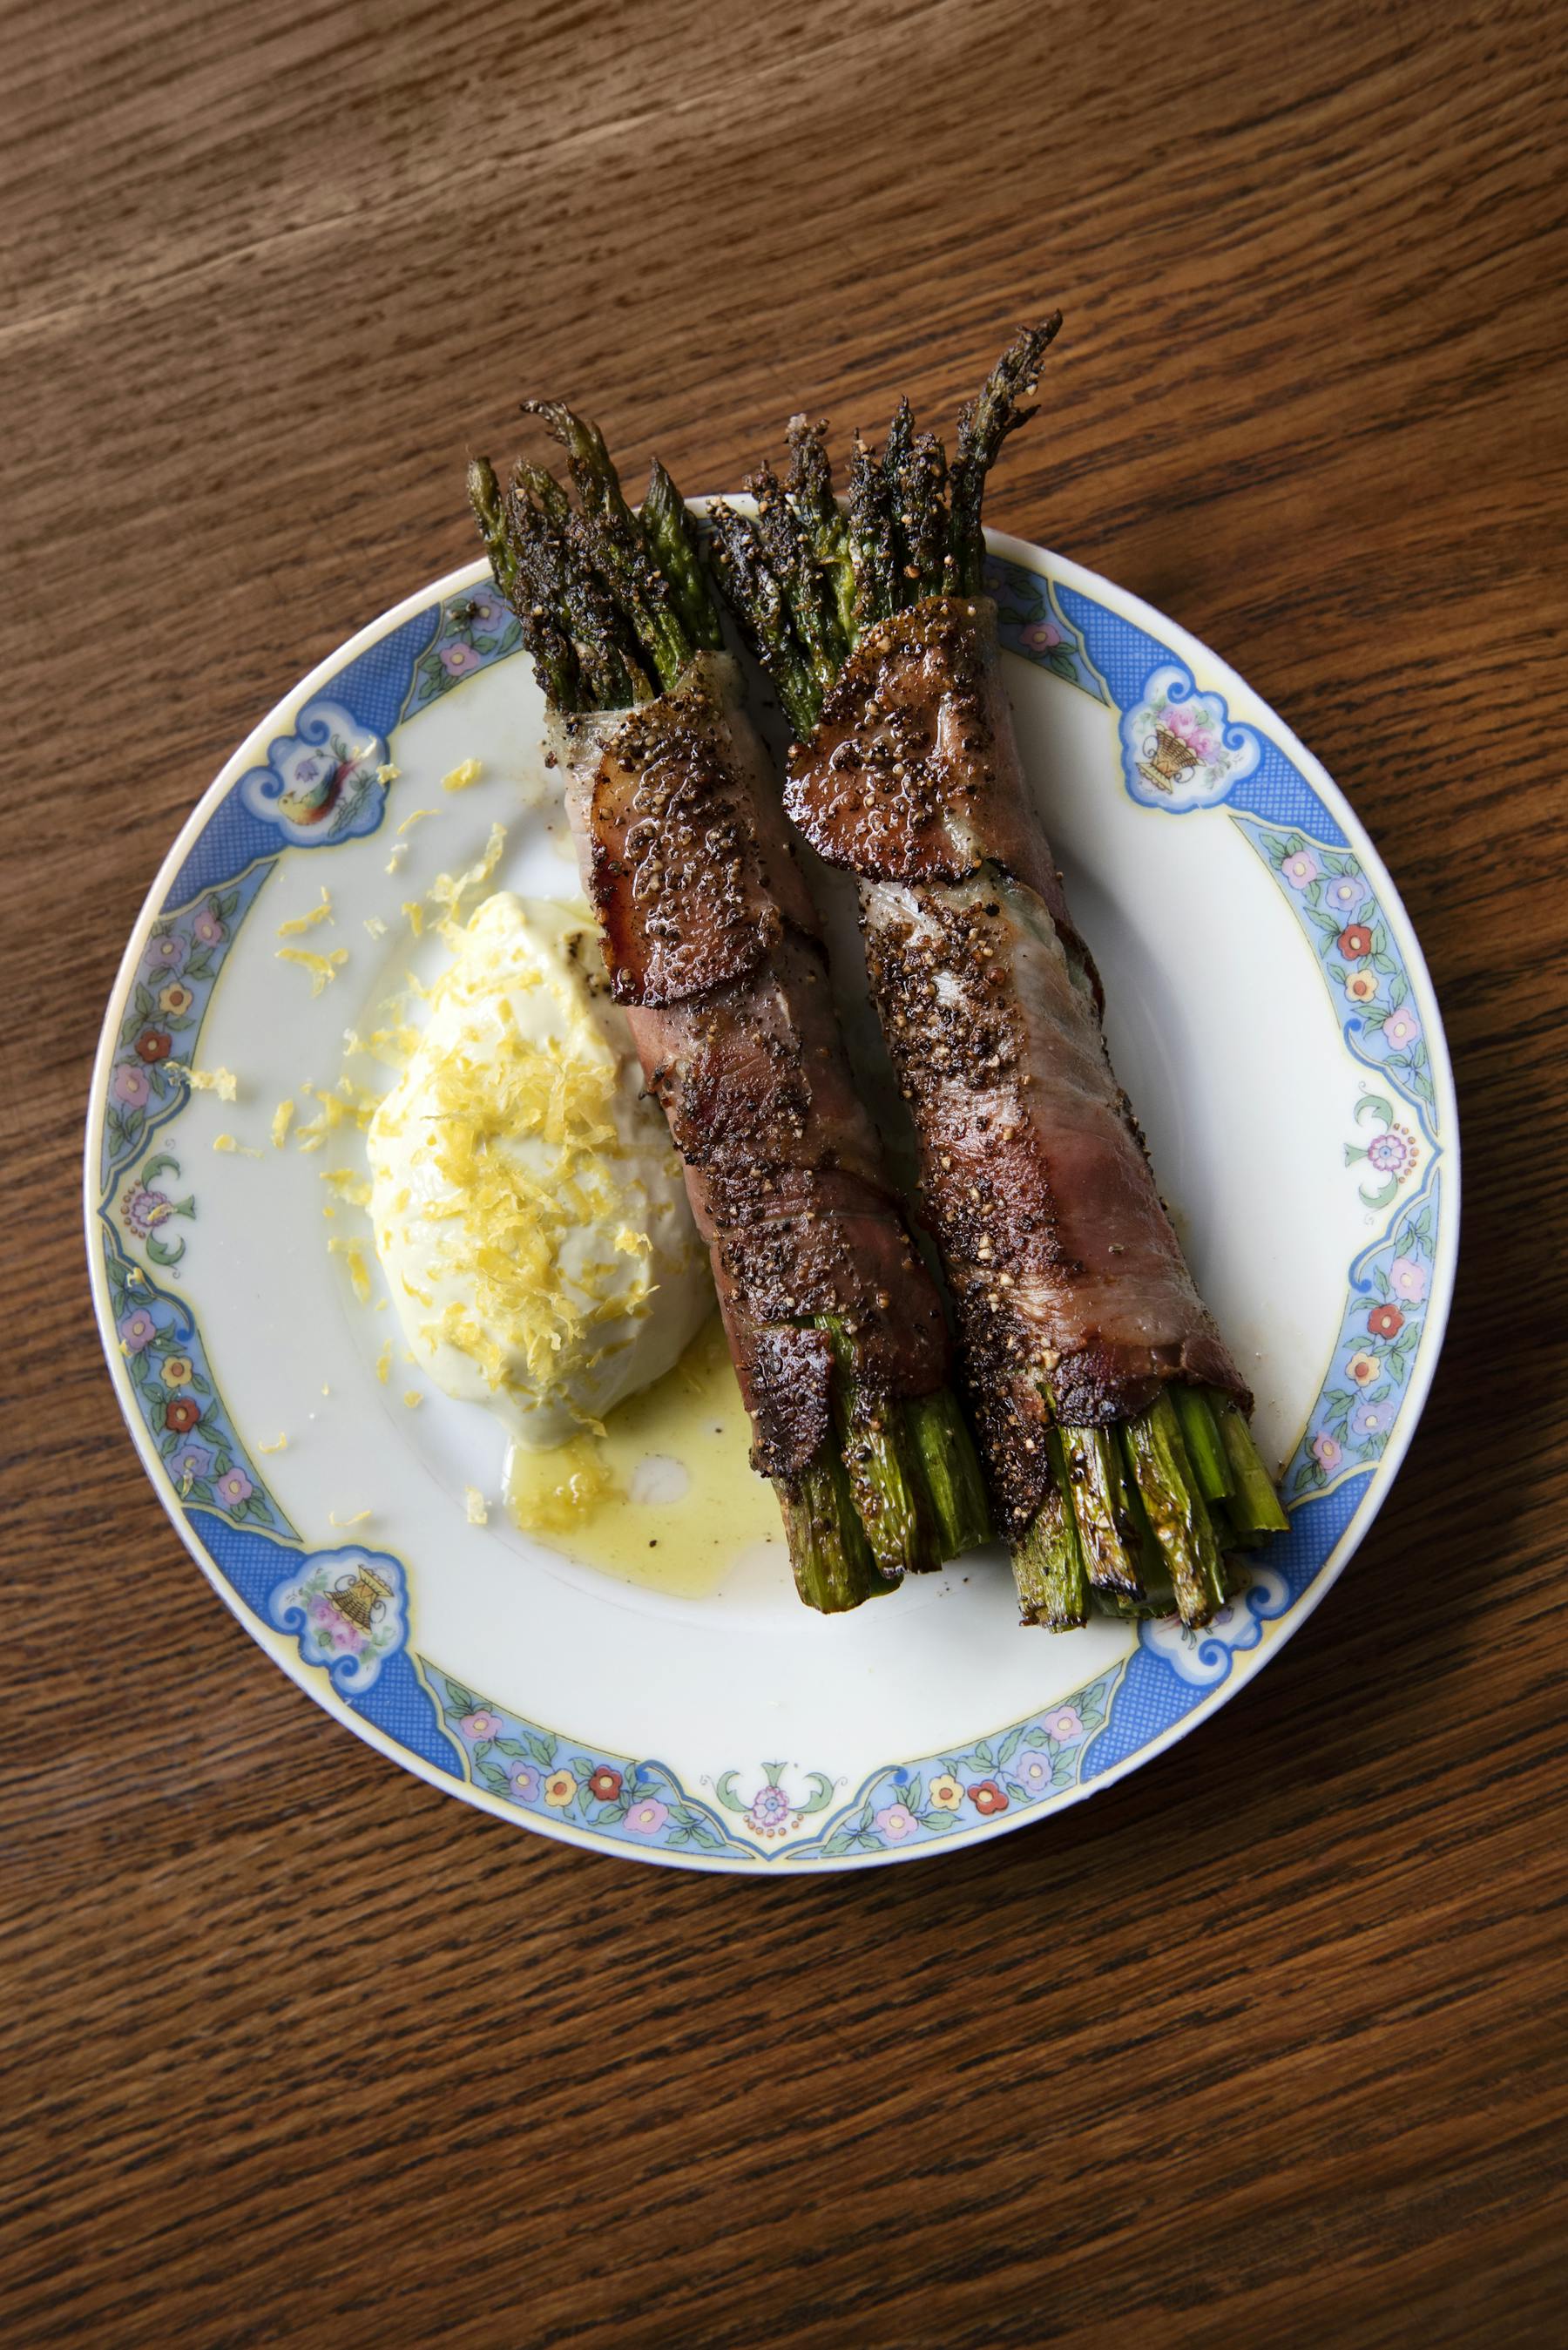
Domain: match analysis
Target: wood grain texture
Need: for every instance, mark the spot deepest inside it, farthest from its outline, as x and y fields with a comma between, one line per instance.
x=1262, y=2045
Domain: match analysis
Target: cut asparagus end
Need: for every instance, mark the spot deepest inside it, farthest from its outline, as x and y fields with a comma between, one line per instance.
x=1254, y=1505
x=889, y=1489
x=882, y=1464
x=1228, y=1535
x=1159, y=1592
x=944, y=1448
x=1106, y=1528
x=1158, y=1458
x=833, y=1568
x=1048, y=1564
x=1205, y=1445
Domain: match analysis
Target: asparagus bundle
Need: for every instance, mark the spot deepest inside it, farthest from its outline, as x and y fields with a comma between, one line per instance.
x=714, y=948
x=1113, y=1420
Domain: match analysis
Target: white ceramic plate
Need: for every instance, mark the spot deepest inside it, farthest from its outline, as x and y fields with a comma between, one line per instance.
x=1270, y=1014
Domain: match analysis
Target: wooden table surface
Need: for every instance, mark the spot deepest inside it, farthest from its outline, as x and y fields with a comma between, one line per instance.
x=1265, y=2043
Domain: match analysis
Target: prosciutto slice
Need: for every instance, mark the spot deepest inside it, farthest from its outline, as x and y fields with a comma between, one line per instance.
x=714, y=948
x=1072, y=1295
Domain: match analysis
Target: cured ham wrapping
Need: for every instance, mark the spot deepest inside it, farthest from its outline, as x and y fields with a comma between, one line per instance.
x=713, y=947
x=1112, y=1417
x=1075, y=1301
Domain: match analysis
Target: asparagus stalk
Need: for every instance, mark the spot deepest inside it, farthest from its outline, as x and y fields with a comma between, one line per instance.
x=1206, y=1450
x=1158, y=1459
x=1105, y=1526
x=835, y=1570
x=983, y=425
x=883, y=1473
x=614, y=606
x=1049, y=1564
x=945, y=1450
x=1254, y=1505
x=673, y=542
x=1142, y=1516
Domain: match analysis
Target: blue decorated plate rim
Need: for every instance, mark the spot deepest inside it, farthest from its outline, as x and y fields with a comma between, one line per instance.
x=1271, y=1623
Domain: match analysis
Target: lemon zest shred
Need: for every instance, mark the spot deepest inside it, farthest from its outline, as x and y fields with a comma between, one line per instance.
x=413, y=1397
x=376, y=926
x=348, y=1185
x=352, y=1251
x=221, y=1082
x=467, y=772
x=281, y=1446
x=281, y=1119
x=384, y=1363
x=303, y=922
x=415, y=914
x=474, y=1506
x=410, y=821
x=321, y=967
x=448, y=890
x=357, y=1519
x=239, y=1149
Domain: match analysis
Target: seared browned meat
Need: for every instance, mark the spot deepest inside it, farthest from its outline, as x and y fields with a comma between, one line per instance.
x=1112, y=1417
x=712, y=946
x=1075, y=1299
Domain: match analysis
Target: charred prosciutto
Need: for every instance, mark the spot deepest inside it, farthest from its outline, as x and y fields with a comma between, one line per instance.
x=1113, y=1420
x=714, y=948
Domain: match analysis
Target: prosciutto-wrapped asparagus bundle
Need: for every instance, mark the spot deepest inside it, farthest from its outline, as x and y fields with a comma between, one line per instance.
x=714, y=951
x=1113, y=1419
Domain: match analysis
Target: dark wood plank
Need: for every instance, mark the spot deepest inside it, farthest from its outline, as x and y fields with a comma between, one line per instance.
x=1261, y=2045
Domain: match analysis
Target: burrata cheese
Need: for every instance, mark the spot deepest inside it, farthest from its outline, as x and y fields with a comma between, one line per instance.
x=528, y=1208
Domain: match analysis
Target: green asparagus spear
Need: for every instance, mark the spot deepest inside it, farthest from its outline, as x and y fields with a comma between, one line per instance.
x=1205, y=1447
x=1049, y=1564
x=834, y=1568
x=1094, y=1482
x=983, y=425
x=667, y=527
x=1254, y=1505
x=1158, y=1459
x=945, y=1450
x=809, y=490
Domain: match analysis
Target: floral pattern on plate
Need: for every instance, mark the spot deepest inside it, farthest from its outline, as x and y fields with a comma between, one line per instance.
x=1032, y=1761
x=169, y=1376
x=150, y=1213
x=1379, y=1339
x=1338, y=910
x=170, y=990
x=1393, y=1156
x=475, y=629
x=773, y=1811
x=539, y=1771
x=1035, y=1762
x=1030, y=621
